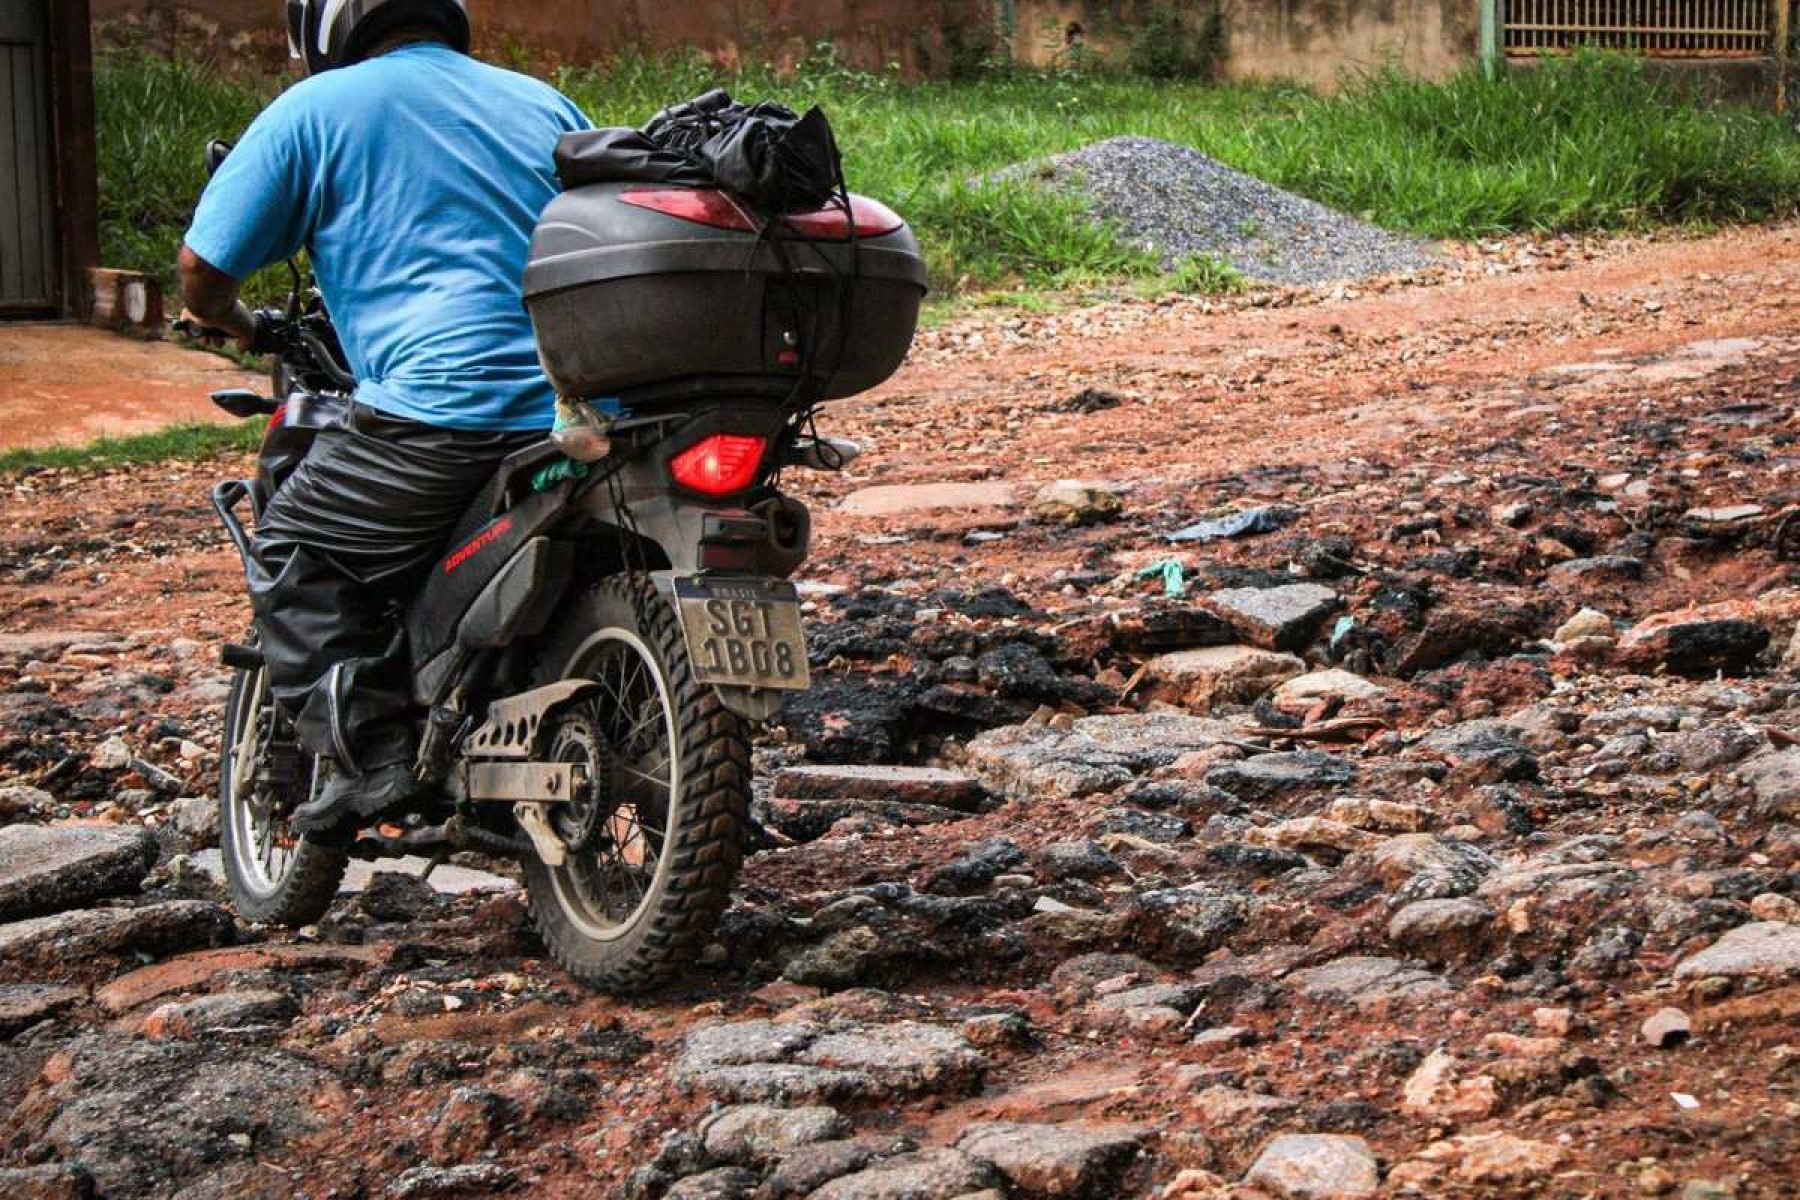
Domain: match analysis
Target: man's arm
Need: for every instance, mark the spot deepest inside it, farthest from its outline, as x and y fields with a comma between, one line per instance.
x=211, y=297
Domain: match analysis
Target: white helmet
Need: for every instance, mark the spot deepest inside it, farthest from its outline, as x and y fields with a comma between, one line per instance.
x=335, y=33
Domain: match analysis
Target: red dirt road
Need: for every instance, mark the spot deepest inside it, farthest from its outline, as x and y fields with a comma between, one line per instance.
x=64, y=384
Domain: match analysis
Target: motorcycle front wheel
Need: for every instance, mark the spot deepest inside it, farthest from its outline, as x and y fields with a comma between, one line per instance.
x=275, y=875
x=656, y=838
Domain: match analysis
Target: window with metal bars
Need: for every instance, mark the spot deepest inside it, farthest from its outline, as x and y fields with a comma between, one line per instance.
x=1665, y=28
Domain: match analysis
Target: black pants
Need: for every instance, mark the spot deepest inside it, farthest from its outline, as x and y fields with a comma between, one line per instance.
x=346, y=541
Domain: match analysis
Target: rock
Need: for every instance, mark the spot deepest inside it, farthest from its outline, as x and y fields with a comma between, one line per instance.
x=1439, y=1090
x=841, y=960
x=1442, y=931
x=1483, y=751
x=1760, y=950
x=23, y=1005
x=1425, y=866
x=1730, y=518
x=1388, y=816
x=1213, y=675
x=400, y=897
x=809, y=820
x=905, y=785
x=144, y=1118
x=1072, y=502
x=721, y=1183
x=1186, y=924
x=466, y=1179
x=1056, y=1160
x=1313, y=835
x=1278, y=618
x=220, y=1013
x=1693, y=643
x=49, y=868
x=1775, y=780
x=805, y=1169
x=1772, y=906
x=762, y=1061
x=52, y=1181
x=1160, y=828
x=65, y=944
x=1666, y=1027
x=1601, y=568
x=1160, y=625
x=19, y=802
x=1709, y=1189
x=1451, y=633
x=1368, y=982
x=197, y=819
x=113, y=754
x=1303, y=692
x=1096, y=754
x=1085, y=860
x=1495, y=1159
x=976, y=867
x=1316, y=1166
x=939, y=1174
x=190, y=971
x=1267, y=775
x=1587, y=623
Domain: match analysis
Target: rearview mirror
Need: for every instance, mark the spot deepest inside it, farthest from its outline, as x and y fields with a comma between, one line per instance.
x=216, y=150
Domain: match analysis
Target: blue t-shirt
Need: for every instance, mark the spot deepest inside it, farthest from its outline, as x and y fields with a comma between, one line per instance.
x=413, y=181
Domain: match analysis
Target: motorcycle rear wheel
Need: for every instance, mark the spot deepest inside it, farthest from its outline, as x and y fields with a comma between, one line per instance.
x=657, y=840
x=275, y=876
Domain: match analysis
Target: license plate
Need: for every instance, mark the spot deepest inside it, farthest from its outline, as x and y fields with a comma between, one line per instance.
x=743, y=632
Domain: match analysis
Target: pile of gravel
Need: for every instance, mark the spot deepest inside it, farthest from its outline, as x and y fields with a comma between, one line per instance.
x=1180, y=203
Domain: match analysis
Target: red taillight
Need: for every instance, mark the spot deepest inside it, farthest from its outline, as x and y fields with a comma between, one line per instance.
x=276, y=418
x=718, y=210
x=699, y=205
x=873, y=218
x=719, y=465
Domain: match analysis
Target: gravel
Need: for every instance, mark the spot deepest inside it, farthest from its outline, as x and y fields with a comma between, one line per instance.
x=1179, y=203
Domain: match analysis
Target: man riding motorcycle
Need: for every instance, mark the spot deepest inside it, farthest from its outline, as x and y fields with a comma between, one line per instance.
x=413, y=176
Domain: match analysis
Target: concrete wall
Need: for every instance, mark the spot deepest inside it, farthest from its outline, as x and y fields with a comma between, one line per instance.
x=871, y=34
x=1313, y=41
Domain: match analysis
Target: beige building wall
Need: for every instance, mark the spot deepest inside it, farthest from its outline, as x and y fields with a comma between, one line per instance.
x=1311, y=41
x=1315, y=41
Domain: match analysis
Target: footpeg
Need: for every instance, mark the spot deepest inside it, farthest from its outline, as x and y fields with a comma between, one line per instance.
x=241, y=658
x=549, y=847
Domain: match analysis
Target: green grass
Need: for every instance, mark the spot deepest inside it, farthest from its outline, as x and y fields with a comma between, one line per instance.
x=1590, y=143
x=187, y=442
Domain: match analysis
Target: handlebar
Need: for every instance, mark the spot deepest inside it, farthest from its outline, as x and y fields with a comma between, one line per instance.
x=274, y=332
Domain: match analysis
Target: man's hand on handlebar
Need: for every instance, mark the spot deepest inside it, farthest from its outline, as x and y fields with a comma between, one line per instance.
x=251, y=332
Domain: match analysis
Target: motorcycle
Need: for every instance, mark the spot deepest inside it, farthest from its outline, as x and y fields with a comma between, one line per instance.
x=615, y=612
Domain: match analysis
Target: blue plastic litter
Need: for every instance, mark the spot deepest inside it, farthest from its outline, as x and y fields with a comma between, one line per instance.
x=1174, y=578
x=1238, y=524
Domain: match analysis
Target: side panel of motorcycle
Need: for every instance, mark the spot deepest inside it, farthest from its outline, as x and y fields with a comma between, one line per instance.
x=462, y=574
x=517, y=601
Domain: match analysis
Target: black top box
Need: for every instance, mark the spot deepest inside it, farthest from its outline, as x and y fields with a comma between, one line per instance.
x=664, y=294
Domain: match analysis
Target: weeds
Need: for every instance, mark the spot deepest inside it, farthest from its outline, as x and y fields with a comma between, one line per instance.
x=1204, y=275
x=1586, y=143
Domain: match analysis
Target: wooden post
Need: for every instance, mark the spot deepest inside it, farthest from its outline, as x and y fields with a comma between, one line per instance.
x=72, y=134
x=1780, y=55
x=1490, y=36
